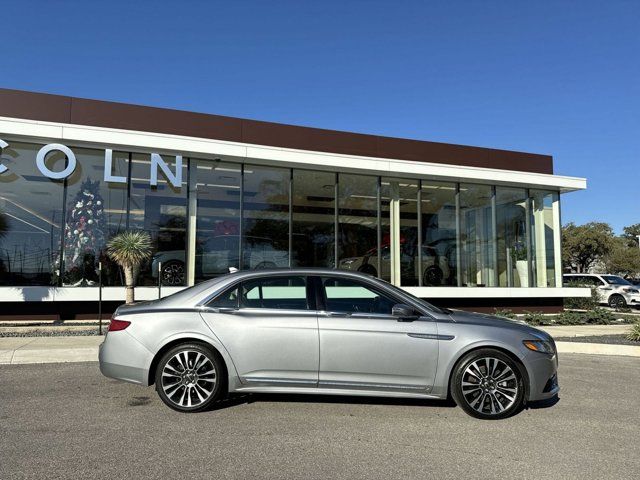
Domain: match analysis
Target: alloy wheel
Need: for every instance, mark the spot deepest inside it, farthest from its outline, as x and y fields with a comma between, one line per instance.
x=173, y=274
x=189, y=378
x=489, y=386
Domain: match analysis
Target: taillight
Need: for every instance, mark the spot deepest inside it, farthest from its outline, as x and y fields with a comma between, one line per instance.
x=116, y=325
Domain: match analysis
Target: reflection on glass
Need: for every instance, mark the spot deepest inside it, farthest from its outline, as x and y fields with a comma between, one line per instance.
x=313, y=237
x=95, y=212
x=265, y=241
x=217, y=217
x=513, y=269
x=358, y=223
x=438, y=210
x=161, y=211
x=31, y=210
x=476, y=236
x=542, y=225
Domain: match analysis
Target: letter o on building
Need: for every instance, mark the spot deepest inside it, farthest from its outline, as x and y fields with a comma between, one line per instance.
x=42, y=155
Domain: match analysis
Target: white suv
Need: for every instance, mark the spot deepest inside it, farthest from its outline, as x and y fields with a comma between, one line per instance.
x=613, y=290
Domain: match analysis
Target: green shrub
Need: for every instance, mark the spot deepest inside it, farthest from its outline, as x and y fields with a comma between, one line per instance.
x=536, y=318
x=588, y=303
x=570, y=318
x=504, y=312
x=634, y=333
x=597, y=316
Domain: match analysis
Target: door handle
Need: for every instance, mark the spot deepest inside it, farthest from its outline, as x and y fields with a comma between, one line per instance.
x=338, y=314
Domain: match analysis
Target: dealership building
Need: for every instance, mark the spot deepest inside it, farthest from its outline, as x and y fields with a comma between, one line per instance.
x=464, y=227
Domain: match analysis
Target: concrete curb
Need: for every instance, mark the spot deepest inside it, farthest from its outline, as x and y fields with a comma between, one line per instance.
x=598, y=349
x=24, y=350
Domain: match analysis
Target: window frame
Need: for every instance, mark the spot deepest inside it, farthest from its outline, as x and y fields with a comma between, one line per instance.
x=322, y=297
x=310, y=289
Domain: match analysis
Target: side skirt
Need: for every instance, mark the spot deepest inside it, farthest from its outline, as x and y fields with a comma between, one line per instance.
x=335, y=391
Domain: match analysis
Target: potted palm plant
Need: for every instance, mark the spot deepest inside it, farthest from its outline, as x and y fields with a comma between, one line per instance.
x=519, y=257
x=129, y=250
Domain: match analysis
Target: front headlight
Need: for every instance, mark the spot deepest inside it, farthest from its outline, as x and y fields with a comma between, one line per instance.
x=540, y=346
x=630, y=290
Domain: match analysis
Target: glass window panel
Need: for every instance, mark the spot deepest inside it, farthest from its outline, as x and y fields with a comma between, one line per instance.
x=95, y=212
x=313, y=219
x=476, y=236
x=358, y=223
x=511, y=236
x=438, y=211
x=542, y=238
x=161, y=211
x=284, y=293
x=31, y=206
x=352, y=297
x=217, y=217
x=405, y=193
x=266, y=217
x=228, y=299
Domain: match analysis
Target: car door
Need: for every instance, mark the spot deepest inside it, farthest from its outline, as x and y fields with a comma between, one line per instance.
x=363, y=346
x=269, y=327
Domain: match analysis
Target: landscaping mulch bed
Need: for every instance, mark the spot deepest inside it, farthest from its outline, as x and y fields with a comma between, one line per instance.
x=53, y=333
x=606, y=339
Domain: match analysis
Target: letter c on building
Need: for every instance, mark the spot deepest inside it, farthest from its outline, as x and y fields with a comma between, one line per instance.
x=42, y=155
x=3, y=144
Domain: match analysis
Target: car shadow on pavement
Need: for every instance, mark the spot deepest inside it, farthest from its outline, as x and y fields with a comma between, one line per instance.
x=234, y=400
x=548, y=403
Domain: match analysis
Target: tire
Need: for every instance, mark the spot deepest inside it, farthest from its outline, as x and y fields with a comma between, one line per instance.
x=432, y=276
x=173, y=273
x=190, y=389
x=617, y=301
x=369, y=270
x=491, y=399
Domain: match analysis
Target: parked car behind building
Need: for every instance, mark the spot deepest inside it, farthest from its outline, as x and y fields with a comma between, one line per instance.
x=613, y=290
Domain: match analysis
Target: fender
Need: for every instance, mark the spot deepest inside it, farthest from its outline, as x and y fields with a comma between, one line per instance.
x=232, y=374
x=444, y=376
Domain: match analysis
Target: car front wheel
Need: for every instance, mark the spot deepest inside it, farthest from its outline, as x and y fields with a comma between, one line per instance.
x=617, y=301
x=487, y=384
x=188, y=377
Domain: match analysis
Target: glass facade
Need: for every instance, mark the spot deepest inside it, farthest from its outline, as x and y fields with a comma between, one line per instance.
x=206, y=216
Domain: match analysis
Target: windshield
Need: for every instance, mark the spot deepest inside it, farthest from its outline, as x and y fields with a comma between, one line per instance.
x=615, y=280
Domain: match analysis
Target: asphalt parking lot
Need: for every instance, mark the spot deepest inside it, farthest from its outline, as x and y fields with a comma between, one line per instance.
x=67, y=421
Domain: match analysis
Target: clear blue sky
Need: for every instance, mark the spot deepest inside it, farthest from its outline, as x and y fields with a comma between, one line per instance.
x=560, y=78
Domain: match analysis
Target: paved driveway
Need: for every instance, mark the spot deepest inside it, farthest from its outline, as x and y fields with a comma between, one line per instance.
x=67, y=421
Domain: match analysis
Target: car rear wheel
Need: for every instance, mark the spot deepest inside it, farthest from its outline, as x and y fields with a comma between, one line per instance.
x=617, y=301
x=432, y=276
x=189, y=377
x=368, y=269
x=487, y=384
x=173, y=273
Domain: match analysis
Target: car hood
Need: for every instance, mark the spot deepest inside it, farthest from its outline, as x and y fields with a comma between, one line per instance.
x=491, y=321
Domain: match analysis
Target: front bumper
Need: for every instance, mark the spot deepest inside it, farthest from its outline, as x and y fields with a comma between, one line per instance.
x=122, y=357
x=633, y=300
x=543, y=375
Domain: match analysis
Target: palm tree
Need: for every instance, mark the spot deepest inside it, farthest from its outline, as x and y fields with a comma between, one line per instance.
x=129, y=250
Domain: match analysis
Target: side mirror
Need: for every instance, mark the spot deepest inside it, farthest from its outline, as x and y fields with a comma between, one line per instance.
x=404, y=313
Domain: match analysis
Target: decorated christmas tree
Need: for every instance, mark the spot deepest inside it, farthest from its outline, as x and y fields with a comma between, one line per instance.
x=83, y=235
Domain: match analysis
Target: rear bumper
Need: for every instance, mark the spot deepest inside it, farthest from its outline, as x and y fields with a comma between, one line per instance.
x=122, y=357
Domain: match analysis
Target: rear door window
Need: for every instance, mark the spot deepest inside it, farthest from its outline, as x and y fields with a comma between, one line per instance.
x=282, y=293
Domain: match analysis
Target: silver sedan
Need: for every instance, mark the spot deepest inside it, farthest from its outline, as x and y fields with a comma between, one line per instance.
x=326, y=332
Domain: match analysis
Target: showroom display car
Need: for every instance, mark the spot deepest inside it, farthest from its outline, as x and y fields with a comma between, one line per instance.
x=326, y=332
